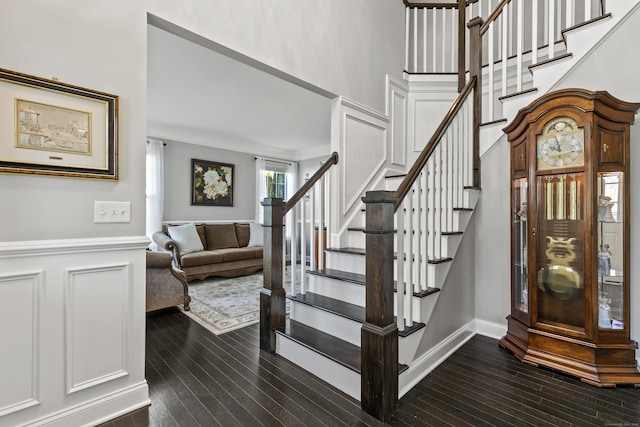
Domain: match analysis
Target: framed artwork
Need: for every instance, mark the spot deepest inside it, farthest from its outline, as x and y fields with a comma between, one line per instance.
x=211, y=183
x=53, y=128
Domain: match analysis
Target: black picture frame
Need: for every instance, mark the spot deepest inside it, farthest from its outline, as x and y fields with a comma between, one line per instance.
x=58, y=129
x=211, y=183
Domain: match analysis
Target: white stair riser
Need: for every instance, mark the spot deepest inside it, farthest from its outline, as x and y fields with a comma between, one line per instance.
x=346, y=262
x=340, y=327
x=324, y=368
x=338, y=289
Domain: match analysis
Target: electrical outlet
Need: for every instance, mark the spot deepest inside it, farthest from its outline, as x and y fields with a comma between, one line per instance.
x=111, y=212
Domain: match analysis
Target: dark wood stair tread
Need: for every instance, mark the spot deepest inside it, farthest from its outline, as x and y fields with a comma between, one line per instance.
x=348, y=250
x=346, y=310
x=359, y=279
x=340, y=351
x=331, y=305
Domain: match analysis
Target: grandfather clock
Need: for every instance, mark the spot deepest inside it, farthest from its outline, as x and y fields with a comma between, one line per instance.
x=570, y=236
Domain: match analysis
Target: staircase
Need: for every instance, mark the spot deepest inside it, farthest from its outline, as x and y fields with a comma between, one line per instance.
x=344, y=315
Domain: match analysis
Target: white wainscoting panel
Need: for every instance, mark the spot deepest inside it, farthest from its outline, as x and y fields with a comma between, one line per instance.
x=397, y=105
x=72, y=323
x=97, y=299
x=20, y=331
x=364, y=146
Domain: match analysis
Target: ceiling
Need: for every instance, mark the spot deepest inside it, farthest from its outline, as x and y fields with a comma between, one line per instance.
x=197, y=95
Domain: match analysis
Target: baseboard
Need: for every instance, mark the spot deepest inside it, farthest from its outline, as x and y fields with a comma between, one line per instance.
x=432, y=359
x=100, y=410
x=490, y=329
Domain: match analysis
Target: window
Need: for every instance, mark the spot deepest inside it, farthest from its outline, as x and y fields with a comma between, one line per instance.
x=276, y=183
x=274, y=178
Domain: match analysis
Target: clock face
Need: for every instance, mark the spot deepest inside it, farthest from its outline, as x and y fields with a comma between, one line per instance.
x=560, y=145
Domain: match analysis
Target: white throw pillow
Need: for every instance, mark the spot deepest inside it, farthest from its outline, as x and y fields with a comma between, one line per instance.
x=186, y=237
x=256, y=235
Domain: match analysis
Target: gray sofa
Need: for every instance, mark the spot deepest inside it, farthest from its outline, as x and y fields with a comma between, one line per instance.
x=227, y=251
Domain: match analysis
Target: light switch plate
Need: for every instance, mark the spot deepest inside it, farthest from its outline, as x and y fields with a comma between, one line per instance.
x=111, y=212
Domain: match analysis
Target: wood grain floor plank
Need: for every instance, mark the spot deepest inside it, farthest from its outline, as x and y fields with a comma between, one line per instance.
x=197, y=378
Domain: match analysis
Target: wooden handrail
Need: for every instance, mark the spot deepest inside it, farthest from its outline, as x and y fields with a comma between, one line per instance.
x=431, y=5
x=414, y=172
x=494, y=15
x=307, y=185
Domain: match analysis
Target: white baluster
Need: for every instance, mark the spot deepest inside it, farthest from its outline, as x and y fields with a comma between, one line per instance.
x=505, y=54
x=534, y=31
x=431, y=212
x=570, y=18
x=588, y=7
x=400, y=251
x=409, y=260
x=424, y=226
x=407, y=32
x=303, y=245
x=449, y=174
x=294, y=250
x=444, y=41
x=425, y=50
x=415, y=39
x=438, y=205
x=321, y=226
x=454, y=39
x=434, y=38
x=519, y=49
x=491, y=72
x=313, y=262
x=552, y=36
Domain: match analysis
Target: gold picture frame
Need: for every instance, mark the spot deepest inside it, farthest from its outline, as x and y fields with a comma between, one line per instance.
x=53, y=128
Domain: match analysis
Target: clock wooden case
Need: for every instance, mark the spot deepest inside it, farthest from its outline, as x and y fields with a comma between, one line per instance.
x=570, y=244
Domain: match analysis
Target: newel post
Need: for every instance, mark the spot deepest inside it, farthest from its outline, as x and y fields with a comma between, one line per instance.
x=475, y=70
x=272, y=295
x=379, y=337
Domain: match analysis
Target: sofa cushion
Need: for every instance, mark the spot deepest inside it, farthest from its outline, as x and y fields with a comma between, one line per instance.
x=186, y=238
x=201, y=233
x=201, y=258
x=237, y=254
x=242, y=233
x=256, y=236
x=220, y=236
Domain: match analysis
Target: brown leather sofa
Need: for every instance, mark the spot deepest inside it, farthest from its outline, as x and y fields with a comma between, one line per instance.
x=165, y=286
x=226, y=251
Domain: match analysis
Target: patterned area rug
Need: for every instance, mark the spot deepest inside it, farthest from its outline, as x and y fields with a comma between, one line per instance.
x=223, y=305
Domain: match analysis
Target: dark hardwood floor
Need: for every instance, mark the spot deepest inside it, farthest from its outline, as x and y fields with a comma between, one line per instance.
x=199, y=379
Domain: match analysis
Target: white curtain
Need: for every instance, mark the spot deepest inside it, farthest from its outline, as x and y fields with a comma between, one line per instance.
x=261, y=187
x=155, y=187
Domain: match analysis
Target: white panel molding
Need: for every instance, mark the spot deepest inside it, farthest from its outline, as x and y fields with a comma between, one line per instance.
x=76, y=319
x=32, y=248
x=100, y=410
x=378, y=163
x=397, y=103
x=31, y=356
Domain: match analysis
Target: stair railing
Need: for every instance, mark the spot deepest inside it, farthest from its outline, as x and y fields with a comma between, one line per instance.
x=512, y=43
x=280, y=217
x=435, y=39
x=516, y=34
x=450, y=161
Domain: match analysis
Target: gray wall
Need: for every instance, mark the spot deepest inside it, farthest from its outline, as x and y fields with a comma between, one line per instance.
x=177, y=202
x=342, y=47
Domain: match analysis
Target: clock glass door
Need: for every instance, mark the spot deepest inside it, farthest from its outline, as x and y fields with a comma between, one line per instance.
x=520, y=245
x=560, y=250
x=610, y=250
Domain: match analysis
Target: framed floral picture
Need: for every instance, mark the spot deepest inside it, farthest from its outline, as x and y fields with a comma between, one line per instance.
x=211, y=183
